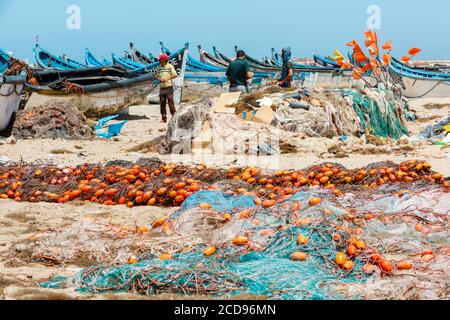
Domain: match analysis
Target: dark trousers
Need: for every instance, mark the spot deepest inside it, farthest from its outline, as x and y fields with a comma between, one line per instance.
x=166, y=96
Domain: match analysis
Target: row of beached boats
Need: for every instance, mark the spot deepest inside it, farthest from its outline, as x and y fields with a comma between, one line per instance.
x=100, y=87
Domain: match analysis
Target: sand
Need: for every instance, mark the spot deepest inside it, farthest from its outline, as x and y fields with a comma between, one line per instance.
x=20, y=221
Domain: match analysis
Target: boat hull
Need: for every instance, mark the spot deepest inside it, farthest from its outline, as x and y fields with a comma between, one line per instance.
x=10, y=97
x=421, y=88
x=97, y=104
x=420, y=83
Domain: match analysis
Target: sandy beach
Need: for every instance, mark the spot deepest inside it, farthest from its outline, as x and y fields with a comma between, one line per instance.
x=20, y=222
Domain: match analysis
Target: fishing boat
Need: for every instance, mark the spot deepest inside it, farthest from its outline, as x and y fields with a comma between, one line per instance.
x=92, y=61
x=221, y=56
x=126, y=63
x=420, y=83
x=194, y=65
x=176, y=59
x=103, y=91
x=75, y=63
x=325, y=61
x=255, y=64
x=276, y=59
x=4, y=60
x=46, y=60
x=139, y=57
x=210, y=59
x=11, y=88
x=96, y=92
x=269, y=61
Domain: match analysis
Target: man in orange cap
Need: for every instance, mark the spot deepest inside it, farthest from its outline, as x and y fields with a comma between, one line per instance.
x=165, y=73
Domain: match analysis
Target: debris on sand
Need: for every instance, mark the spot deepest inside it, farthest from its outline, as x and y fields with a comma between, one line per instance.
x=53, y=120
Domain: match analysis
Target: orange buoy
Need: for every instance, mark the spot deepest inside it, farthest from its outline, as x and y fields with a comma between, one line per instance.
x=299, y=256
x=209, y=251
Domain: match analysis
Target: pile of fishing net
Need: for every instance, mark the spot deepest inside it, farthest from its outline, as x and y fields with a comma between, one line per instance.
x=346, y=112
x=186, y=125
x=150, y=182
x=386, y=244
x=322, y=113
x=52, y=120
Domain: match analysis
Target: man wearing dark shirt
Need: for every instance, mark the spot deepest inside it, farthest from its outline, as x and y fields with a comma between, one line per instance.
x=287, y=72
x=238, y=73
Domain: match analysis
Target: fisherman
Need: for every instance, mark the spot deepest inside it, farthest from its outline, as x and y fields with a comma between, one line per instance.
x=287, y=71
x=238, y=73
x=165, y=73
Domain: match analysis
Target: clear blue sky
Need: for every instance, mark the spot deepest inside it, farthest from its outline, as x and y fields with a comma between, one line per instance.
x=255, y=25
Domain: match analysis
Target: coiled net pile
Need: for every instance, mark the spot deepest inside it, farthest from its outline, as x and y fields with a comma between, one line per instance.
x=52, y=120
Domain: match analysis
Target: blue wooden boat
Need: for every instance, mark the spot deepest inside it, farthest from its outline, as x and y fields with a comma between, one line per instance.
x=418, y=73
x=79, y=65
x=45, y=60
x=276, y=59
x=269, y=61
x=216, y=65
x=325, y=61
x=126, y=63
x=176, y=59
x=92, y=61
x=11, y=88
x=258, y=65
x=4, y=60
x=139, y=57
x=96, y=92
x=210, y=59
x=194, y=65
x=221, y=56
x=420, y=83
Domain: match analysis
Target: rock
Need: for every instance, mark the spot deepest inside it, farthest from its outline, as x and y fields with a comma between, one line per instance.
x=403, y=140
x=11, y=140
x=78, y=147
x=21, y=247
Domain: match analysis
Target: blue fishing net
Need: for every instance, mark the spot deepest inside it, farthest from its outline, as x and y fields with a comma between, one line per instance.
x=264, y=269
x=382, y=121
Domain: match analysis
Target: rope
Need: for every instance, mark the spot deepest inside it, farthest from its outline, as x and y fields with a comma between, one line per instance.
x=17, y=92
x=434, y=87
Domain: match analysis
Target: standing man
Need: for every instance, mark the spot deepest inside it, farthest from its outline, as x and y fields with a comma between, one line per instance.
x=287, y=71
x=238, y=73
x=165, y=73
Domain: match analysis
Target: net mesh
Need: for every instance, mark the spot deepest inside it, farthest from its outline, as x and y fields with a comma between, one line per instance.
x=264, y=266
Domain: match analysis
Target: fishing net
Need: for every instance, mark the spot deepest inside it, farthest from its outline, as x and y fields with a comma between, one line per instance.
x=185, y=125
x=379, y=112
x=387, y=221
x=325, y=113
x=150, y=182
x=52, y=120
x=275, y=234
